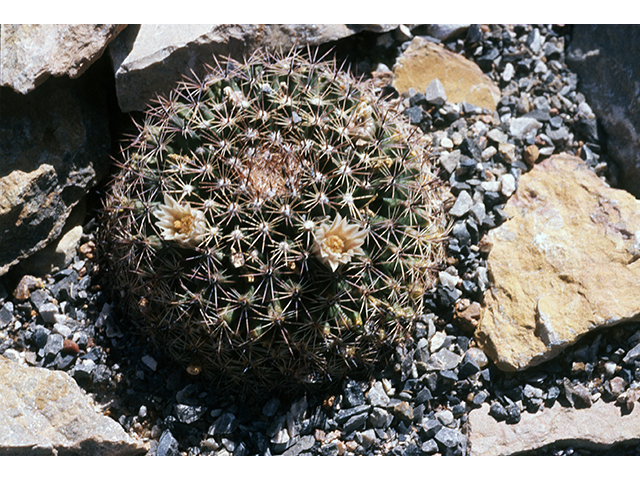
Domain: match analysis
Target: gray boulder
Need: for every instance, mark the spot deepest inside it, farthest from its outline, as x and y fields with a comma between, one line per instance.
x=46, y=413
x=29, y=54
x=54, y=146
x=605, y=57
x=149, y=59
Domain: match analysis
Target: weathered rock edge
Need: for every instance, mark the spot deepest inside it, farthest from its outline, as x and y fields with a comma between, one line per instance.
x=599, y=427
x=44, y=412
x=31, y=53
x=149, y=59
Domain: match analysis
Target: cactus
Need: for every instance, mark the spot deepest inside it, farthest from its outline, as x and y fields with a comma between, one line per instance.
x=274, y=224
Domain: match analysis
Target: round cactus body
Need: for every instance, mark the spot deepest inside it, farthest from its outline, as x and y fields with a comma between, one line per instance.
x=275, y=224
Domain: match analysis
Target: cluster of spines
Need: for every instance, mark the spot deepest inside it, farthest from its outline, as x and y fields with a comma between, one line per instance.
x=268, y=149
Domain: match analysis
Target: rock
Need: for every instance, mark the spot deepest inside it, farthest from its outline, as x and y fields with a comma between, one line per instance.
x=507, y=73
x=520, y=127
x=346, y=413
x=6, y=314
x=429, y=447
x=632, y=354
x=54, y=145
x=449, y=437
x=578, y=395
x=48, y=311
x=376, y=395
x=508, y=184
x=450, y=160
x=271, y=407
x=424, y=61
x=446, y=31
x=435, y=93
x=498, y=411
x=605, y=59
x=467, y=314
x=497, y=136
x=531, y=154
x=30, y=53
x=188, y=414
x=508, y=151
x=445, y=417
x=167, y=445
x=226, y=424
x=568, y=236
x=60, y=253
x=463, y=204
x=356, y=422
x=600, y=426
x=44, y=412
x=26, y=285
x=366, y=438
x=380, y=418
x=403, y=411
x=353, y=394
x=442, y=360
x=150, y=362
x=149, y=59
x=304, y=444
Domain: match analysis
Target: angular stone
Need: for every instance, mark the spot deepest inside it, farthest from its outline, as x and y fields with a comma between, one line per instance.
x=44, y=412
x=444, y=31
x=519, y=127
x=304, y=444
x=450, y=437
x=442, y=360
x=565, y=263
x=29, y=53
x=424, y=61
x=600, y=426
x=463, y=204
x=435, y=93
x=605, y=57
x=167, y=445
x=54, y=145
x=150, y=59
x=377, y=396
x=6, y=314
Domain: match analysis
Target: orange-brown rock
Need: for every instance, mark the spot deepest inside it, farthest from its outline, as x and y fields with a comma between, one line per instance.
x=462, y=79
x=467, y=314
x=565, y=263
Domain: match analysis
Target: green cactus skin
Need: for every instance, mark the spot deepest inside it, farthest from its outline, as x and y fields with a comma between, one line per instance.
x=274, y=225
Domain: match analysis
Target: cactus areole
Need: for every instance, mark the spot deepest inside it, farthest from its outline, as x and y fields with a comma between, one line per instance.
x=275, y=224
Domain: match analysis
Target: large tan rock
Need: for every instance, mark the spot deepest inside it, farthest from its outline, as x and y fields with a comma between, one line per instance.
x=45, y=412
x=30, y=53
x=463, y=81
x=600, y=426
x=149, y=59
x=565, y=263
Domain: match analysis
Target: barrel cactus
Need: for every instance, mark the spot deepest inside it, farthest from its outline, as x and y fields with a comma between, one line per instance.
x=274, y=224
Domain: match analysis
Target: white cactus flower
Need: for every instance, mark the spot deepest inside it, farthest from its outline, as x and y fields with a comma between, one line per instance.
x=338, y=242
x=180, y=223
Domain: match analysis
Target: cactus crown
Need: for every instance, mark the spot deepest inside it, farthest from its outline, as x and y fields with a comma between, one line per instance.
x=275, y=223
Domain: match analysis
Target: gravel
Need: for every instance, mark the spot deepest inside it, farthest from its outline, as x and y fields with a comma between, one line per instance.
x=418, y=403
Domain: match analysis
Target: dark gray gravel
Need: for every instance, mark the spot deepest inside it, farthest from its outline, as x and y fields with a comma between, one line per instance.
x=418, y=403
